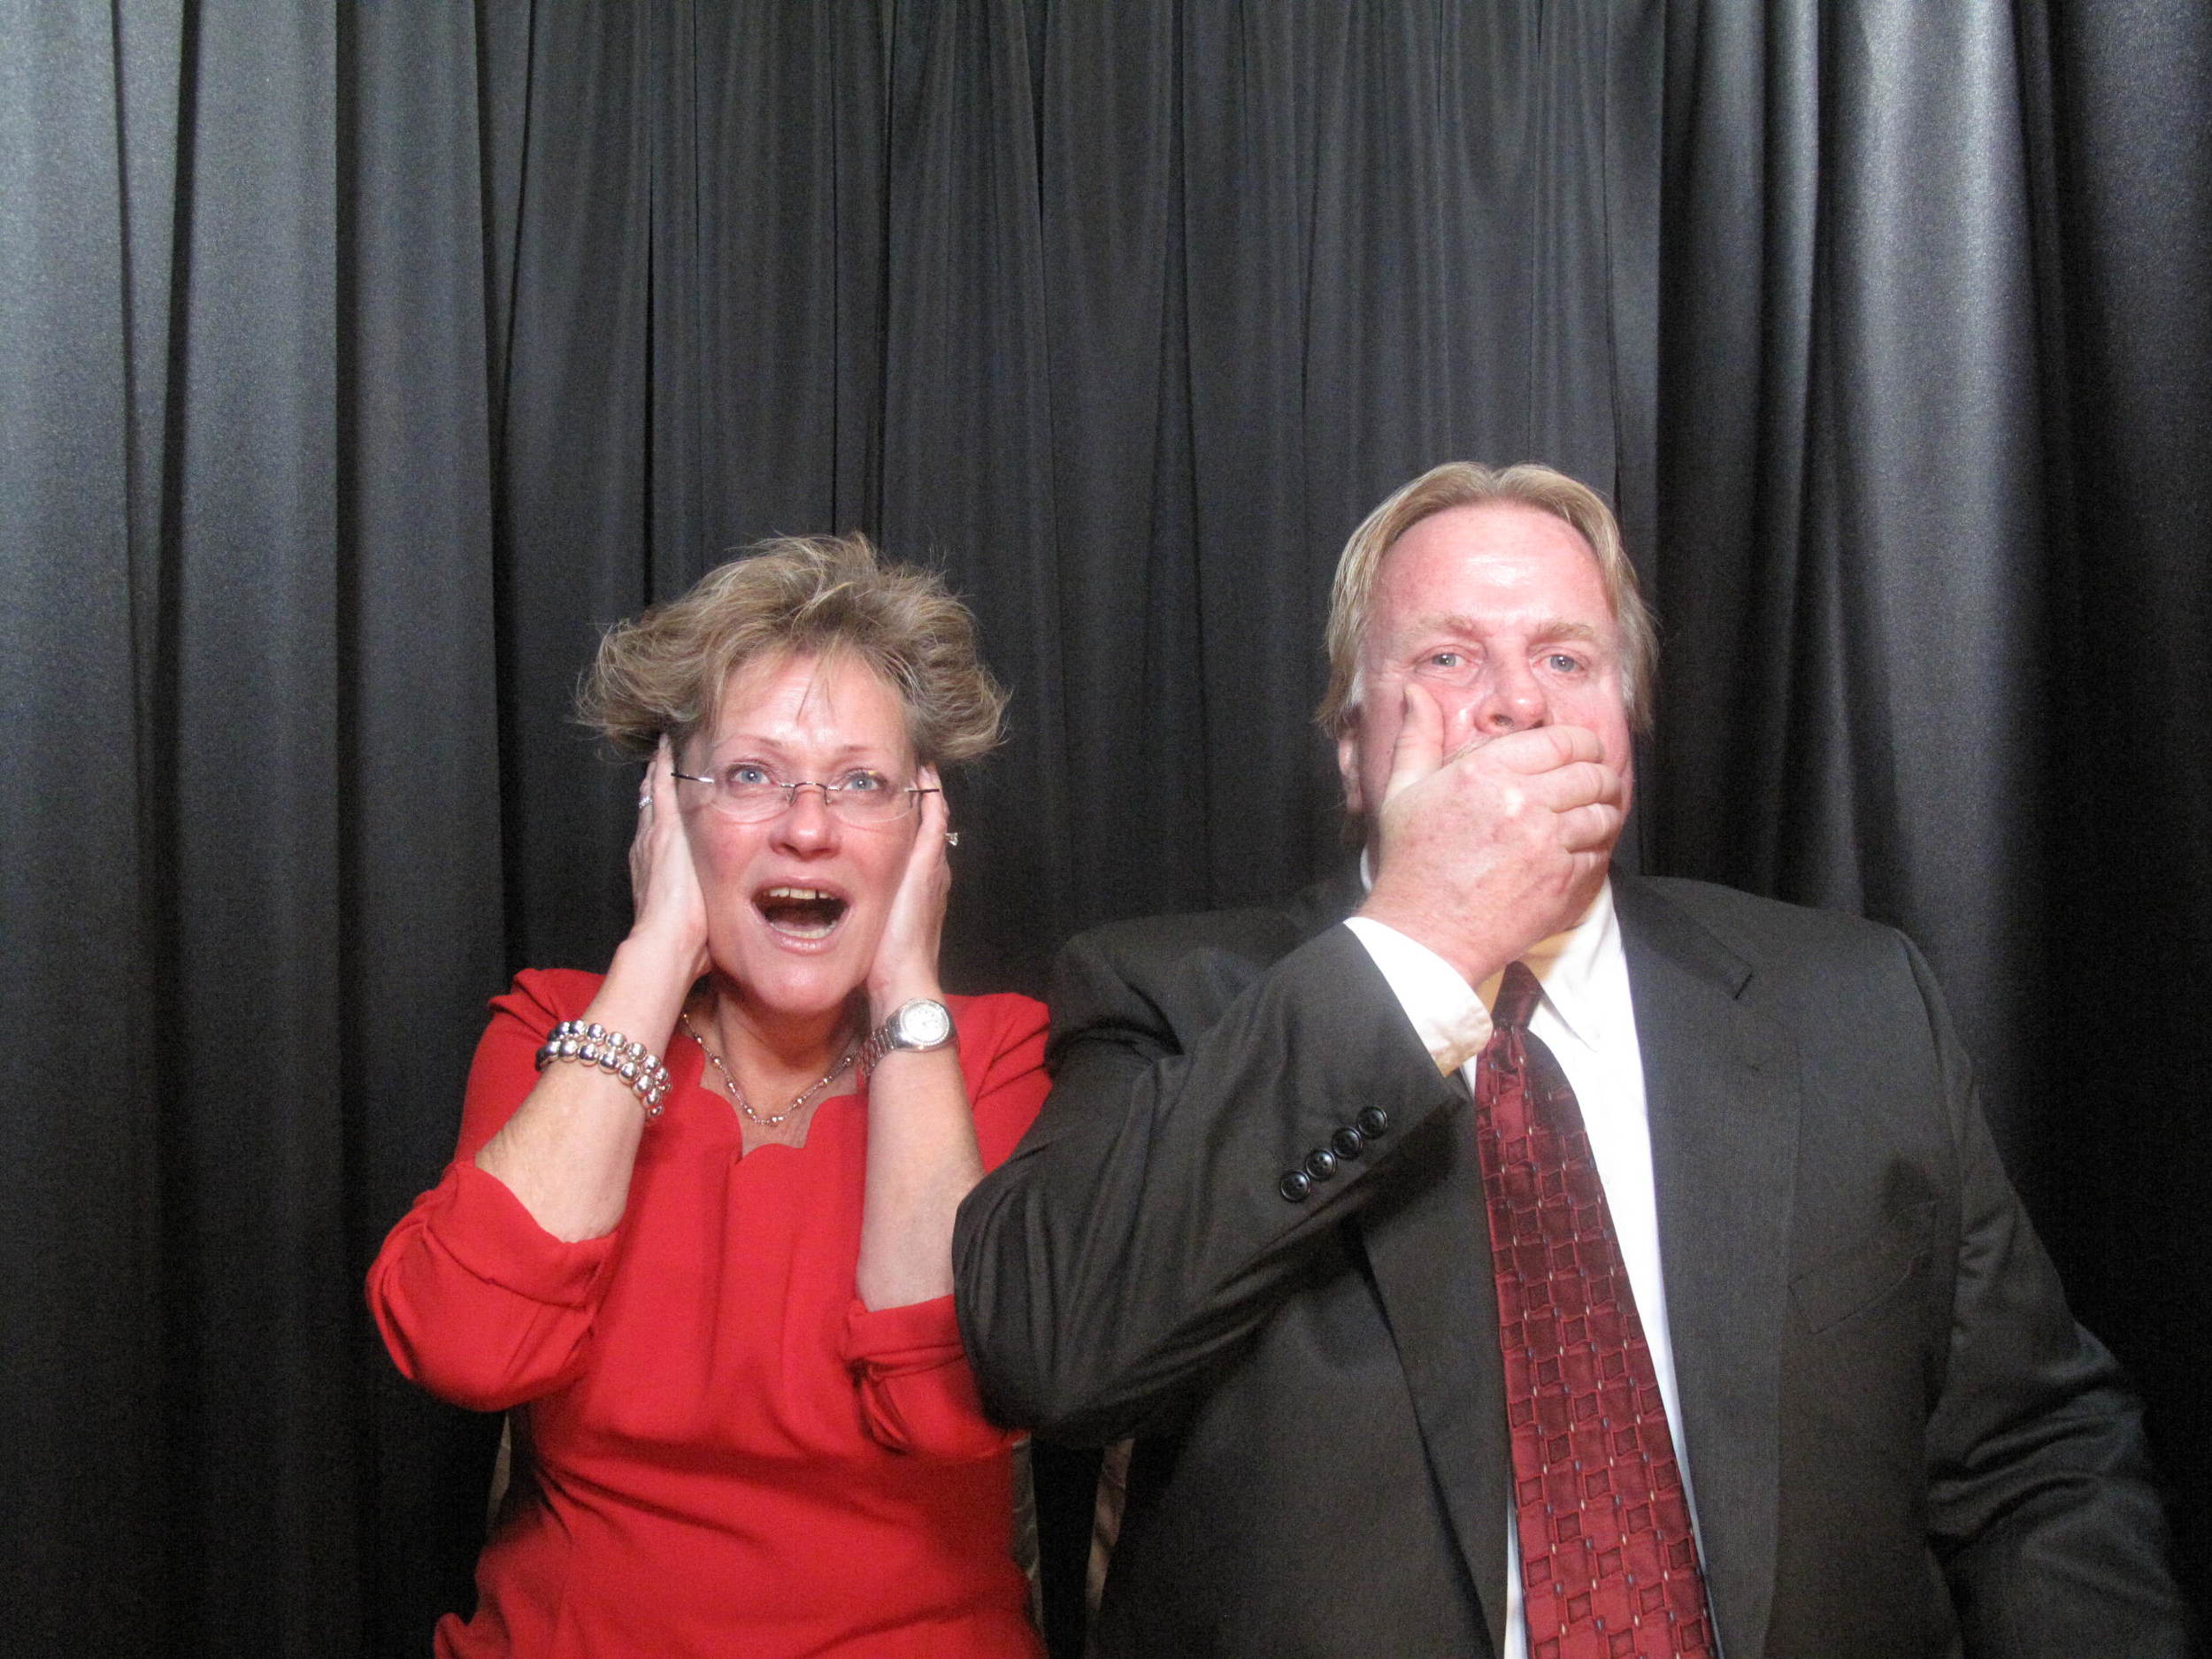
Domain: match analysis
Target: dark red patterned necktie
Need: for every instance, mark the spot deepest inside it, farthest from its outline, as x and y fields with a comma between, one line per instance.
x=1608, y=1567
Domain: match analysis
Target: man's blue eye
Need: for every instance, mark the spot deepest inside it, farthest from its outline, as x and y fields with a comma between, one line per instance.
x=1446, y=659
x=1563, y=663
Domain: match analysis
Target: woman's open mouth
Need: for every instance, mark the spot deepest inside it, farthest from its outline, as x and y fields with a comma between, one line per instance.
x=805, y=913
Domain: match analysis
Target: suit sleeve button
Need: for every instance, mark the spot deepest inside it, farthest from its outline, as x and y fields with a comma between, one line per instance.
x=1348, y=1142
x=1295, y=1186
x=1373, y=1121
x=1321, y=1164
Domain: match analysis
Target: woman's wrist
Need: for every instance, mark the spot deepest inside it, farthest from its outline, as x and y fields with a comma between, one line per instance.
x=661, y=952
x=648, y=981
x=886, y=999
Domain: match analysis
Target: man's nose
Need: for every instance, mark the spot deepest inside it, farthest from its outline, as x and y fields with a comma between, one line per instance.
x=1510, y=700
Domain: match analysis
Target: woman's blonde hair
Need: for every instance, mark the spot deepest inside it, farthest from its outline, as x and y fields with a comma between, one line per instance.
x=662, y=673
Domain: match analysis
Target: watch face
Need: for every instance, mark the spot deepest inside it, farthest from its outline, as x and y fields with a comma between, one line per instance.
x=923, y=1025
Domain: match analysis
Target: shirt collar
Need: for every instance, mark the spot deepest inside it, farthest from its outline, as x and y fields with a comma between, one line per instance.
x=1568, y=964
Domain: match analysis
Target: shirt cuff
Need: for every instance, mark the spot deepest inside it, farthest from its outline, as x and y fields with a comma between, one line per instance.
x=1447, y=1015
x=916, y=1393
x=484, y=1228
x=915, y=1337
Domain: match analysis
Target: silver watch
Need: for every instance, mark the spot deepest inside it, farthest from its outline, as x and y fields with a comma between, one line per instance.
x=920, y=1025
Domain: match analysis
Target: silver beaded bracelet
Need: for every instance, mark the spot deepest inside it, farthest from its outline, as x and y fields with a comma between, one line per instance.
x=611, y=1051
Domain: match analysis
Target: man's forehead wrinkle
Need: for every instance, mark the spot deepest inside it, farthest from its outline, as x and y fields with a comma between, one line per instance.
x=1460, y=622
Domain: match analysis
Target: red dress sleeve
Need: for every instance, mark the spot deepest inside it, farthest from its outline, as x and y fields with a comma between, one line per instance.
x=916, y=1393
x=476, y=1301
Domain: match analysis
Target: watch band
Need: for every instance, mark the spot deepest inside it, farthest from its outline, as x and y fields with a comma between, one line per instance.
x=907, y=1029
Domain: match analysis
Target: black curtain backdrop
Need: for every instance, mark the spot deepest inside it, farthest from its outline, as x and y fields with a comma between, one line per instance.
x=357, y=363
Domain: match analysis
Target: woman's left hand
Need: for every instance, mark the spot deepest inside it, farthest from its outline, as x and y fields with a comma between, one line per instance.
x=905, y=965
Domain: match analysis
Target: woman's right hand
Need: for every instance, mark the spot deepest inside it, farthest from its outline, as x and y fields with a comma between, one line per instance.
x=671, y=910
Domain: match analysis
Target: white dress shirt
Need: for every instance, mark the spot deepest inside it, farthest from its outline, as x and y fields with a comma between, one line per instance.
x=1586, y=1020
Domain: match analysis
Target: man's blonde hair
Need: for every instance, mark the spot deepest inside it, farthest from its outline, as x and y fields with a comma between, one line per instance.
x=1469, y=484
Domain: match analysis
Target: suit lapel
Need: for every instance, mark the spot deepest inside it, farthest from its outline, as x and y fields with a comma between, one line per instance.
x=1720, y=1084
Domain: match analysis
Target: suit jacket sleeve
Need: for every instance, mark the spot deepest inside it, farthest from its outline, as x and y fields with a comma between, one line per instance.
x=1140, y=1233
x=2040, y=1502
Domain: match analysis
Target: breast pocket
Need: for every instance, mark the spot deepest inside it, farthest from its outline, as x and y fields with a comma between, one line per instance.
x=1855, y=1280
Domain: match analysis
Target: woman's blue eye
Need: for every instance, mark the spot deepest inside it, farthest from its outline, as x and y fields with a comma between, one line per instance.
x=743, y=776
x=864, y=783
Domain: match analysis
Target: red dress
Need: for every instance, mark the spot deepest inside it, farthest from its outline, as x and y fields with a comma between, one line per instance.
x=732, y=1456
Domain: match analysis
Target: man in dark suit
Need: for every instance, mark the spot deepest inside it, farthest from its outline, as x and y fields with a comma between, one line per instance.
x=1536, y=1261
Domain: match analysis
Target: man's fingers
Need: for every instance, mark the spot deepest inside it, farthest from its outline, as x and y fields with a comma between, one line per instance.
x=1591, y=828
x=1538, y=749
x=1460, y=732
x=1578, y=783
x=1419, y=749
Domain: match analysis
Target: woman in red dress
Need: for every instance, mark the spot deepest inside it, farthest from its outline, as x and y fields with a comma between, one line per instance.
x=696, y=1237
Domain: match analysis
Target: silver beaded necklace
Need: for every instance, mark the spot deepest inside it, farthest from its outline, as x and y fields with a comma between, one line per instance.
x=798, y=1101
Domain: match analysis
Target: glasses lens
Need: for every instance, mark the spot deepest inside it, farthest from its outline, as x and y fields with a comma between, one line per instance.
x=749, y=800
x=861, y=797
x=867, y=797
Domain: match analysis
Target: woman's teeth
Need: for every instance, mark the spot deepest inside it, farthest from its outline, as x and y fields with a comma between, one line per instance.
x=802, y=912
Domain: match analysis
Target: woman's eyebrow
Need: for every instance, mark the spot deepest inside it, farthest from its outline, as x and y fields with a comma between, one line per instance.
x=717, y=748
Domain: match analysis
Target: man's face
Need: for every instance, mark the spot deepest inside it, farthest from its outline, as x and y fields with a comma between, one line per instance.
x=1500, y=611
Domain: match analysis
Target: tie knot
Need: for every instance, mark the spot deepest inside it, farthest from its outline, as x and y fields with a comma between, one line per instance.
x=1517, y=997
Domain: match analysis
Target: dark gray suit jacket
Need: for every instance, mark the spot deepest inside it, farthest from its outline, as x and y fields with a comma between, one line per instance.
x=1900, y=1443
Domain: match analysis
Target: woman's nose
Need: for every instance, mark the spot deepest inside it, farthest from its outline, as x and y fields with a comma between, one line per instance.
x=806, y=821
